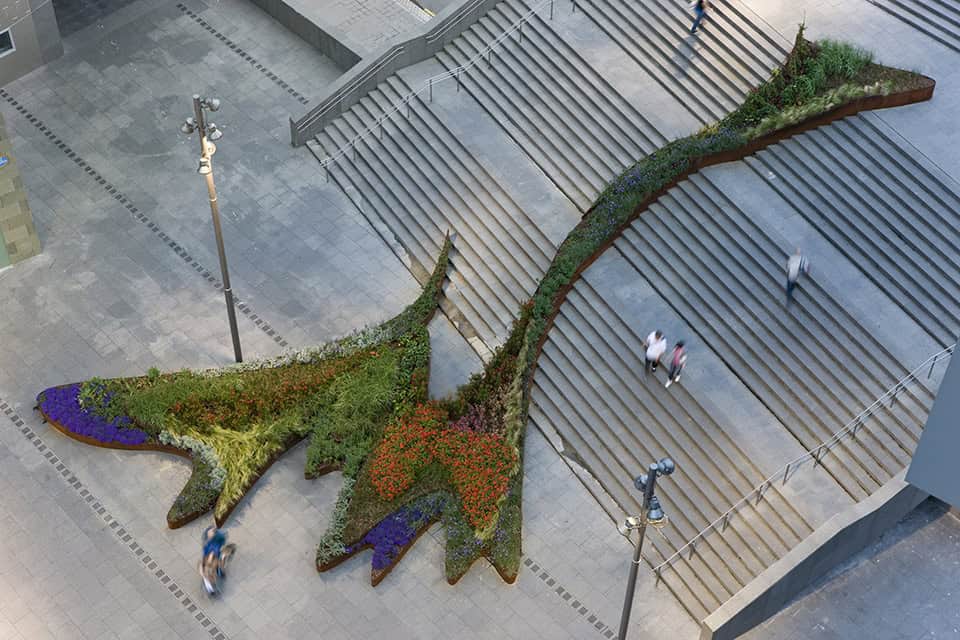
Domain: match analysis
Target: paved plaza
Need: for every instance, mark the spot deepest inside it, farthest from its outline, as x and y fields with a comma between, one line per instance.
x=128, y=279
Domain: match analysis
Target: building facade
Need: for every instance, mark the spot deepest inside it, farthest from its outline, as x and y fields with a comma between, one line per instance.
x=29, y=37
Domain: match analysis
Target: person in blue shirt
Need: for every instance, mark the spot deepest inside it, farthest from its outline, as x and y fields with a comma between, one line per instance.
x=214, y=540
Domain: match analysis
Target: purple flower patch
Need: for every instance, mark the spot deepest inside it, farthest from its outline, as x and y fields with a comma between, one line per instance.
x=61, y=405
x=397, y=530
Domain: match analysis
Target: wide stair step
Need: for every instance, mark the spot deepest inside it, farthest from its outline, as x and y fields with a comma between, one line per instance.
x=559, y=110
x=883, y=208
x=414, y=178
x=939, y=19
x=709, y=73
x=791, y=362
x=590, y=387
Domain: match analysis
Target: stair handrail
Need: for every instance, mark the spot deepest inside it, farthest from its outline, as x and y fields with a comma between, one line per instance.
x=816, y=453
x=427, y=85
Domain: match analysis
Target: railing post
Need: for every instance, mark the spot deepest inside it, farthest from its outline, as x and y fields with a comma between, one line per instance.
x=816, y=458
x=490, y=57
x=657, y=573
x=693, y=547
x=574, y=3
x=932, y=365
x=856, y=427
x=381, y=127
x=520, y=30
x=326, y=171
x=407, y=100
x=458, y=78
x=431, y=89
x=893, y=398
x=786, y=472
x=551, y=9
x=760, y=492
x=726, y=519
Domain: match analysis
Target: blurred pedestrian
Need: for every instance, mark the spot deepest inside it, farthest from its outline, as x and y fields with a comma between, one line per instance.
x=656, y=346
x=699, y=11
x=797, y=265
x=677, y=360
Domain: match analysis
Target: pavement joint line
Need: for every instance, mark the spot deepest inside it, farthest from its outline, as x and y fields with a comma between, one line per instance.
x=243, y=54
x=112, y=523
x=177, y=248
x=561, y=591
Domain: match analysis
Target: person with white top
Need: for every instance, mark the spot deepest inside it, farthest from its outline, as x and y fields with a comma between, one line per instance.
x=656, y=346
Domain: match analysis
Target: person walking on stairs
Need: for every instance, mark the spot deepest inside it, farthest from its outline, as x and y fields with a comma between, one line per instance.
x=656, y=346
x=797, y=265
x=677, y=359
x=699, y=10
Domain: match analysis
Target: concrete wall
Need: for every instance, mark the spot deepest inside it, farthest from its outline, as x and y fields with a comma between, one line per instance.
x=832, y=543
x=18, y=237
x=36, y=38
x=422, y=43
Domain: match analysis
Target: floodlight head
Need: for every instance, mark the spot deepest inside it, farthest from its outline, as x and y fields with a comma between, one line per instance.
x=188, y=126
x=213, y=132
x=666, y=466
x=204, y=168
x=655, y=515
x=640, y=482
x=213, y=104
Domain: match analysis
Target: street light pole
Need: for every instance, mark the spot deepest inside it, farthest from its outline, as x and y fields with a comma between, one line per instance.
x=207, y=149
x=650, y=514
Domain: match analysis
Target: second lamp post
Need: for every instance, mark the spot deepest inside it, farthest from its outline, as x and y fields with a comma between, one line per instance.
x=208, y=133
x=650, y=513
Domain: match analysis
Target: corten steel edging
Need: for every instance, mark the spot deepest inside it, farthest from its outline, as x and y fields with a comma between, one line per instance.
x=867, y=103
x=175, y=523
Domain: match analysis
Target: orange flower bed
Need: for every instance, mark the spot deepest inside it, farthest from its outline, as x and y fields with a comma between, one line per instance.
x=478, y=463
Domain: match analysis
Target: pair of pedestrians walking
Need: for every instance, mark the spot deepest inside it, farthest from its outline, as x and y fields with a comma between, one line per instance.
x=655, y=346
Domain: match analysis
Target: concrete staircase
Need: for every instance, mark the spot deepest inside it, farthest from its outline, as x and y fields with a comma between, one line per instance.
x=552, y=103
x=708, y=73
x=883, y=206
x=590, y=388
x=939, y=19
x=416, y=182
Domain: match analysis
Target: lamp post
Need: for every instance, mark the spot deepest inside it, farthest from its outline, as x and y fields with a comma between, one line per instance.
x=208, y=133
x=650, y=513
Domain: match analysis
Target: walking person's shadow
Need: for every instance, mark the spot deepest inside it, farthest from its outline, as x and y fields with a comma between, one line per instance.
x=686, y=53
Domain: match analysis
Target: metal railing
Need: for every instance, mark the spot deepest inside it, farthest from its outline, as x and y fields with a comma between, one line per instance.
x=427, y=86
x=816, y=454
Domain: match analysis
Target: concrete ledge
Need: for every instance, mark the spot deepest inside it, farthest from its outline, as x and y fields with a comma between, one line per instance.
x=296, y=15
x=422, y=43
x=836, y=540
